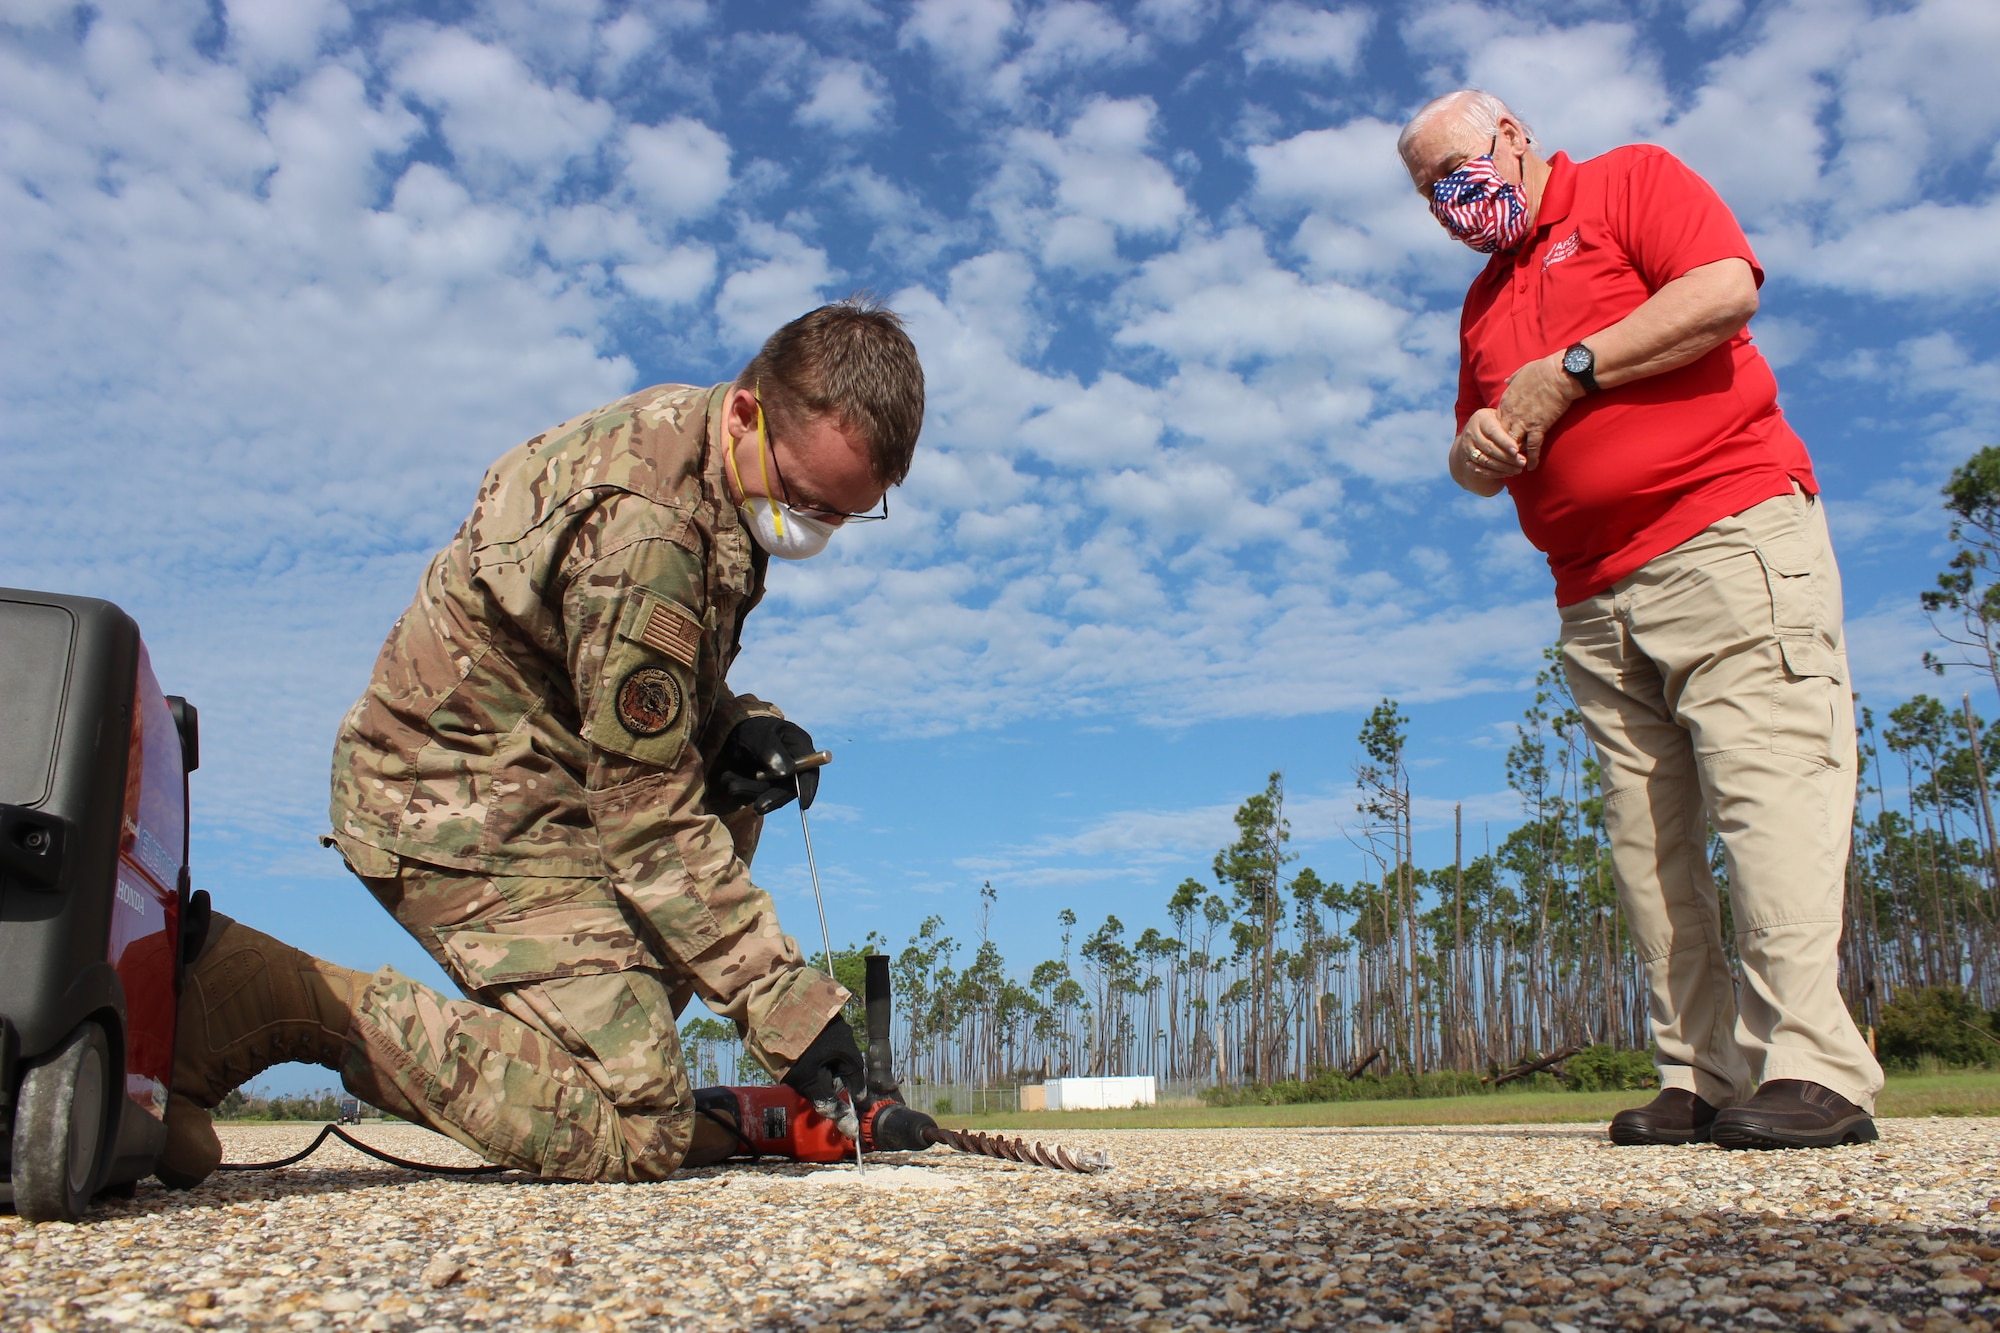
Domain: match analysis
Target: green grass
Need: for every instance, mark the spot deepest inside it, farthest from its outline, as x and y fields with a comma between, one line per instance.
x=1974, y=1092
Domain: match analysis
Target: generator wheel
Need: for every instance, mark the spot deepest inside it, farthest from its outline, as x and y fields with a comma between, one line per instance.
x=59, y=1128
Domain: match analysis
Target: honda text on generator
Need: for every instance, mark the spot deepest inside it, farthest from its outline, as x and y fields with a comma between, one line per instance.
x=95, y=903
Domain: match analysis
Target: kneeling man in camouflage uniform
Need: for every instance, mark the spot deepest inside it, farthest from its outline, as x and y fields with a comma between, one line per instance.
x=550, y=785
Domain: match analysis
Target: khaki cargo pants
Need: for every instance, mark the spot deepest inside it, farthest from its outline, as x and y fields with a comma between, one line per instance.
x=1714, y=683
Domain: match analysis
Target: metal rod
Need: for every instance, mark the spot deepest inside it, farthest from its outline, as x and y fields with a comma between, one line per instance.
x=826, y=938
x=812, y=868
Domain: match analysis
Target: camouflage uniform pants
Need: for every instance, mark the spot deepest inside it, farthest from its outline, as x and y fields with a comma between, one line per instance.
x=565, y=1061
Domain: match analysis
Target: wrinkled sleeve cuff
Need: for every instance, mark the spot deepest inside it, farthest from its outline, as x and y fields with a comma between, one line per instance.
x=782, y=1014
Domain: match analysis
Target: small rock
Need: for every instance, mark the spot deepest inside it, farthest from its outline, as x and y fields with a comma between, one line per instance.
x=442, y=1271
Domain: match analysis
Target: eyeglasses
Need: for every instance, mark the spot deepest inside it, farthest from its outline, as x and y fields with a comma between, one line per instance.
x=814, y=512
x=1432, y=192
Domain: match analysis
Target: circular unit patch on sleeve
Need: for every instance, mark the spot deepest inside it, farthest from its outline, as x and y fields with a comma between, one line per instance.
x=648, y=701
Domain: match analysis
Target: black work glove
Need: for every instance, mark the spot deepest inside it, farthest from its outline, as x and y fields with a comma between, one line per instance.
x=756, y=767
x=832, y=1062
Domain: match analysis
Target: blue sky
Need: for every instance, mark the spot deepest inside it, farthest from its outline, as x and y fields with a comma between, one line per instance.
x=284, y=276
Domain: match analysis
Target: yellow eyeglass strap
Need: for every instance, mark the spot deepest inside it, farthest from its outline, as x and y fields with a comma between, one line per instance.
x=763, y=468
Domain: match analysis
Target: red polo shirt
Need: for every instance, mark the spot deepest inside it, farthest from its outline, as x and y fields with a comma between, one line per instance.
x=1634, y=471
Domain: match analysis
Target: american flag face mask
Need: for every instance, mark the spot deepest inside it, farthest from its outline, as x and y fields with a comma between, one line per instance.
x=1479, y=206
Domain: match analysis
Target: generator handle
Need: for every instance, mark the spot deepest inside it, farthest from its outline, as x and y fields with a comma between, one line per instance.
x=187, y=721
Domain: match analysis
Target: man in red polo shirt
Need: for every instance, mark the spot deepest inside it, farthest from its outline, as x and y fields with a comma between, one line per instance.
x=1607, y=382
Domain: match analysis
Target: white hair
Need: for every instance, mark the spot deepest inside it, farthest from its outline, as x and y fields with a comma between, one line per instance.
x=1477, y=112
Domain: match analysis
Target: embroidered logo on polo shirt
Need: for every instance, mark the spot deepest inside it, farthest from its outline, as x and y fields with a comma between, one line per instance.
x=1564, y=248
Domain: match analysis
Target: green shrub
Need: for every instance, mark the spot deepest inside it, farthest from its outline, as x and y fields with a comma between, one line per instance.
x=1609, y=1069
x=1332, y=1086
x=1593, y=1069
x=238, y=1105
x=1939, y=1021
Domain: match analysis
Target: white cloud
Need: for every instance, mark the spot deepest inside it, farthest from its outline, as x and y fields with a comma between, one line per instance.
x=1176, y=20
x=1365, y=221
x=33, y=13
x=965, y=34
x=846, y=13
x=1503, y=555
x=282, y=32
x=1075, y=193
x=622, y=41
x=1783, y=340
x=998, y=52
x=1707, y=15
x=1114, y=421
x=1302, y=37
x=501, y=122
x=1928, y=250
x=677, y=278
x=1224, y=302
x=1066, y=35
x=1583, y=87
x=681, y=168
x=789, y=279
x=847, y=99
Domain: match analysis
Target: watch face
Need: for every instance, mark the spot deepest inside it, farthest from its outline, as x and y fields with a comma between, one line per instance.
x=1578, y=360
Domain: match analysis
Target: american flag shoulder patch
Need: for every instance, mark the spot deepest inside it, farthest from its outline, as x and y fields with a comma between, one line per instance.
x=673, y=632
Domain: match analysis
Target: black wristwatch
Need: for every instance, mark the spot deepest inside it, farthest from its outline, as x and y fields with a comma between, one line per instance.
x=1581, y=364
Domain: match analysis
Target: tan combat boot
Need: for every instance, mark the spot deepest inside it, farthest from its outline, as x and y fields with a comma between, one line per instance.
x=716, y=1135
x=250, y=1002
x=193, y=1151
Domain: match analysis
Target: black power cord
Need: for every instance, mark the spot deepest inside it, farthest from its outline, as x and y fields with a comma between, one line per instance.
x=335, y=1131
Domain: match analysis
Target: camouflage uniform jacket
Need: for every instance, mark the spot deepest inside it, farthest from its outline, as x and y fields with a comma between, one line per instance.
x=548, y=705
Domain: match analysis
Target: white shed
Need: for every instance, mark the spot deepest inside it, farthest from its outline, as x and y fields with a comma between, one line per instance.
x=1100, y=1094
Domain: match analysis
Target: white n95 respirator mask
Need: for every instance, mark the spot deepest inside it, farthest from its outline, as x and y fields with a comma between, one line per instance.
x=782, y=530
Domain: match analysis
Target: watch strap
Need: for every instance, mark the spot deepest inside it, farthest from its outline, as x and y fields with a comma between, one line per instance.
x=1587, y=377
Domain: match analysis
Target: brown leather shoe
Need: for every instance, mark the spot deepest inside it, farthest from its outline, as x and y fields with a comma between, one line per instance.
x=1792, y=1113
x=1675, y=1116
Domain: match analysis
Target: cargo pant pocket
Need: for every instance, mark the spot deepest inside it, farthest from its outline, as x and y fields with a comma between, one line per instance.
x=561, y=940
x=1809, y=689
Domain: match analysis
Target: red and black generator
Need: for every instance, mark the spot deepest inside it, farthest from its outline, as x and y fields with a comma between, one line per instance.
x=95, y=902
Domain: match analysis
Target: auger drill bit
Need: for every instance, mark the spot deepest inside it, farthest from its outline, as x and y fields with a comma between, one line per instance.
x=890, y=1126
x=1020, y=1150
x=894, y=1127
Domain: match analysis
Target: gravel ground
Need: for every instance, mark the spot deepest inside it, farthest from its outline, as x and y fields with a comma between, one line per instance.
x=1544, y=1227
